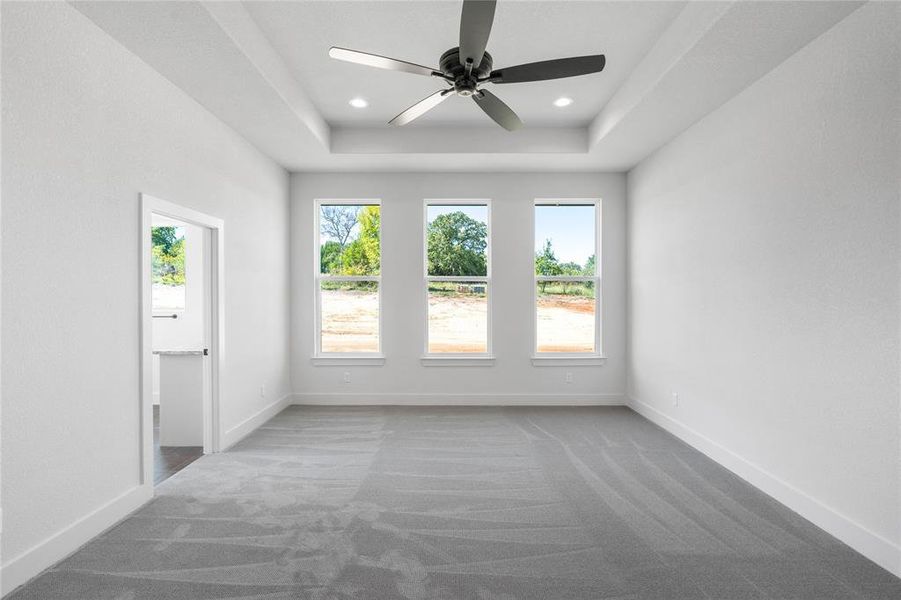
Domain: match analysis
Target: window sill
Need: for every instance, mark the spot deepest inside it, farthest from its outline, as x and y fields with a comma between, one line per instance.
x=457, y=361
x=340, y=361
x=568, y=361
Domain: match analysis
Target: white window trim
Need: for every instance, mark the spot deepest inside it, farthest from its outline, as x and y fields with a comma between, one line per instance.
x=456, y=359
x=320, y=358
x=339, y=361
x=572, y=359
x=568, y=360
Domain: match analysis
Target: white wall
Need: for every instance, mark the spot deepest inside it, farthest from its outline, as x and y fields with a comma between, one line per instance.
x=402, y=379
x=764, y=283
x=87, y=127
x=187, y=331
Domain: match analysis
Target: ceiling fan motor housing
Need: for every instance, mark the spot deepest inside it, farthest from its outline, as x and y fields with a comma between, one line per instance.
x=455, y=70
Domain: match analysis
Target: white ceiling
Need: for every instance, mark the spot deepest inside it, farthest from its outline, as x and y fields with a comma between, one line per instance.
x=263, y=68
x=420, y=32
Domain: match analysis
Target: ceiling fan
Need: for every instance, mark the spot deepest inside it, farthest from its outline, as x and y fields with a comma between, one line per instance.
x=468, y=67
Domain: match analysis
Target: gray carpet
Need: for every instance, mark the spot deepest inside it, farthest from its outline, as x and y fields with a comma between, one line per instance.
x=475, y=503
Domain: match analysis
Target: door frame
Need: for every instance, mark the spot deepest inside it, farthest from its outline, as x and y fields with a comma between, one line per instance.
x=214, y=298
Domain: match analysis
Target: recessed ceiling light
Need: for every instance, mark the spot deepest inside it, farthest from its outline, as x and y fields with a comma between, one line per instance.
x=562, y=102
x=358, y=103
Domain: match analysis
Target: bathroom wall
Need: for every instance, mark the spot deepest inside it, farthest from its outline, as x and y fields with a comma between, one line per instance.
x=187, y=331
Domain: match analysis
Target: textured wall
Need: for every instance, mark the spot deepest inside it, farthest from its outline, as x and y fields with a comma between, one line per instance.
x=764, y=281
x=86, y=128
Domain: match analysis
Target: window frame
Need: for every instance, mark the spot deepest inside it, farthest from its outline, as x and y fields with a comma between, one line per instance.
x=457, y=358
x=333, y=358
x=571, y=358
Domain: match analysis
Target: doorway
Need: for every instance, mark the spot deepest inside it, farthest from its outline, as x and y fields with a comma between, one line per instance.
x=181, y=341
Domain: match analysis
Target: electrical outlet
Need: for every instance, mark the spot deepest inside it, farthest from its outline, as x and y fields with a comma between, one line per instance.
x=263, y=391
x=346, y=376
x=568, y=378
x=675, y=399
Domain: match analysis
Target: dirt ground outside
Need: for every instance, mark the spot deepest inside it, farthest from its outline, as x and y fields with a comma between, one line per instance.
x=565, y=323
x=457, y=322
x=350, y=321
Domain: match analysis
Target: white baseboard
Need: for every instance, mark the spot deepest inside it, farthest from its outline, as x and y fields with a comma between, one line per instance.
x=880, y=550
x=47, y=553
x=251, y=423
x=436, y=399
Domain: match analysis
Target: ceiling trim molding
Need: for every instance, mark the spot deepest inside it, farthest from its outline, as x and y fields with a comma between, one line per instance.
x=710, y=53
x=458, y=140
x=691, y=25
x=239, y=26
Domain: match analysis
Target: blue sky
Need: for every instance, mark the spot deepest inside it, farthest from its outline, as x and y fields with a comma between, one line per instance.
x=570, y=229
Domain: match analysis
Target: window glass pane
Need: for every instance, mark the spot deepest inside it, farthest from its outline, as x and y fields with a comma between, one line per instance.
x=168, y=261
x=458, y=316
x=457, y=239
x=564, y=240
x=566, y=316
x=349, y=239
x=350, y=316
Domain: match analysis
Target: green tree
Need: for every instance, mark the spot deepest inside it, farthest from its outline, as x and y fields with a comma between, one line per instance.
x=338, y=222
x=361, y=256
x=168, y=256
x=164, y=238
x=570, y=268
x=457, y=245
x=546, y=262
x=589, y=268
x=330, y=257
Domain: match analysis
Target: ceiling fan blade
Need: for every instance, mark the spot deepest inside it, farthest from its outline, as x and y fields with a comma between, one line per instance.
x=421, y=107
x=550, y=69
x=475, y=27
x=379, y=62
x=495, y=108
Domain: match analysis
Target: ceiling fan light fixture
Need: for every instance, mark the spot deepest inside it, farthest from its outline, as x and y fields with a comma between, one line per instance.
x=358, y=102
x=464, y=69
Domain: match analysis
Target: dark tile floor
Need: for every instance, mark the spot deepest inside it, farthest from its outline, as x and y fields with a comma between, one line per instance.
x=169, y=460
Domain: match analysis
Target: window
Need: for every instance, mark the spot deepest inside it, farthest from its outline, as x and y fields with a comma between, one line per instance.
x=168, y=264
x=457, y=277
x=348, y=268
x=567, y=280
